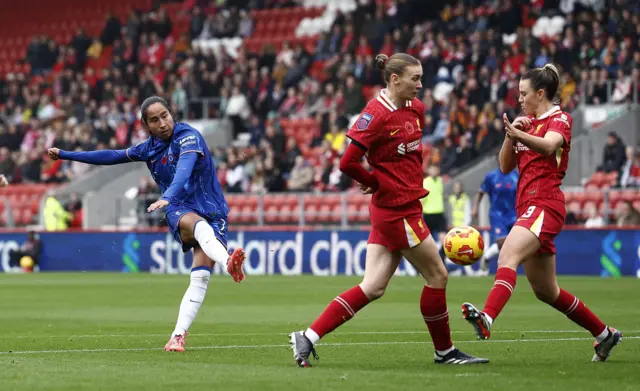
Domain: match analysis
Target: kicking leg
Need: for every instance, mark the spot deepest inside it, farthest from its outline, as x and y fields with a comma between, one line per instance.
x=520, y=244
x=379, y=268
x=194, y=229
x=433, y=302
x=192, y=300
x=541, y=273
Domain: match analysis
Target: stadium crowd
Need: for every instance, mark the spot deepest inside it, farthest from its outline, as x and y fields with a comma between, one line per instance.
x=472, y=54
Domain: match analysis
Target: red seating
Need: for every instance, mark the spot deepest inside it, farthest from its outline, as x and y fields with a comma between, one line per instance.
x=248, y=214
x=275, y=26
x=630, y=195
x=290, y=215
x=25, y=201
x=364, y=213
x=59, y=20
x=324, y=212
x=336, y=214
x=310, y=214
x=292, y=200
x=234, y=215
x=271, y=214
x=332, y=199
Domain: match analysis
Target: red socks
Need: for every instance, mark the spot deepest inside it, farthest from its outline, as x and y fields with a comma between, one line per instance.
x=340, y=310
x=433, y=305
x=503, y=286
x=566, y=303
x=575, y=310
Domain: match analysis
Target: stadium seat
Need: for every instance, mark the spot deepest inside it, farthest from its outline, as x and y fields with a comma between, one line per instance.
x=357, y=199
x=233, y=201
x=579, y=196
x=324, y=213
x=604, y=209
x=311, y=200
x=585, y=206
x=271, y=200
x=234, y=216
x=332, y=199
x=284, y=214
x=353, y=213
x=271, y=213
x=595, y=196
x=291, y=200
x=293, y=215
x=364, y=214
x=614, y=196
x=336, y=214
x=248, y=214
x=310, y=214
x=611, y=178
x=574, y=206
x=35, y=205
x=630, y=195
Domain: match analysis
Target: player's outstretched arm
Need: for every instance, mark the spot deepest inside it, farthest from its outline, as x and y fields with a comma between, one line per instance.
x=184, y=168
x=104, y=157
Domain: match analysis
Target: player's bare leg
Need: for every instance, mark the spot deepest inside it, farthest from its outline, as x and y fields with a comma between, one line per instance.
x=491, y=252
x=194, y=228
x=379, y=268
x=541, y=273
x=520, y=244
x=433, y=302
x=207, y=250
x=192, y=300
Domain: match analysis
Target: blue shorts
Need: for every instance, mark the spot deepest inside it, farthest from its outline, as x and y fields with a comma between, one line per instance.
x=175, y=212
x=500, y=228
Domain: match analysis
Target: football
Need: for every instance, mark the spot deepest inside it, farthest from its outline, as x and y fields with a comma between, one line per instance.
x=463, y=245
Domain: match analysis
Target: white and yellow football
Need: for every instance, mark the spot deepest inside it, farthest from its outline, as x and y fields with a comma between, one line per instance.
x=463, y=245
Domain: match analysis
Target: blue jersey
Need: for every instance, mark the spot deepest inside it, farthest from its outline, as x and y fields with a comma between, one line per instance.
x=501, y=189
x=202, y=192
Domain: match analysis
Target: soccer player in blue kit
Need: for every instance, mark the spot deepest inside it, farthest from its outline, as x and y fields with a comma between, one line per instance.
x=501, y=189
x=179, y=161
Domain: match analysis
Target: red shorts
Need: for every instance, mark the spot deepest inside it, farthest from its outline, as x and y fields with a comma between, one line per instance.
x=545, y=218
x=398, y=228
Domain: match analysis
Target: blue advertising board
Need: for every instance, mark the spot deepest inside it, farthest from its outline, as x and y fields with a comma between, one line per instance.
x=321, y=253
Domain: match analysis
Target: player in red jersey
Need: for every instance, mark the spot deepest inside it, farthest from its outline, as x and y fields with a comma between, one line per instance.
x=389, y=132
x=538, y=145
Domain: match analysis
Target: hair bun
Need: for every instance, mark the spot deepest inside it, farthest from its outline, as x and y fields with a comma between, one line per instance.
x=551, y=68
x=381, y=61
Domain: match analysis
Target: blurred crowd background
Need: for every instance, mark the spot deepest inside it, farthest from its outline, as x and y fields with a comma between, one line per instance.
x=291, y=100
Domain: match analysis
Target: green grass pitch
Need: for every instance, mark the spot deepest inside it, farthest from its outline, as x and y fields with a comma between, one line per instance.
x=86, y=331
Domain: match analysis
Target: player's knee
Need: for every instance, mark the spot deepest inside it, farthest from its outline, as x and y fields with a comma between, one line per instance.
x=187, y=236
x=508, y=259
x=545, y=294
x=373, y=292
x=439, y=278
x=200, y=278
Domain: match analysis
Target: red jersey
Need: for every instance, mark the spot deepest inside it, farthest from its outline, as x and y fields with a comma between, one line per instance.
x=541, y=176
x=393, y=138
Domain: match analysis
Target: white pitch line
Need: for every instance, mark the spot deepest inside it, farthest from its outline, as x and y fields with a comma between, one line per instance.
x=337, y=344
x=277, y=334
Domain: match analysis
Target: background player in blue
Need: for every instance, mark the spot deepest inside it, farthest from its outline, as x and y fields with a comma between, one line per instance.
x=501, y=189
x=179, y=161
